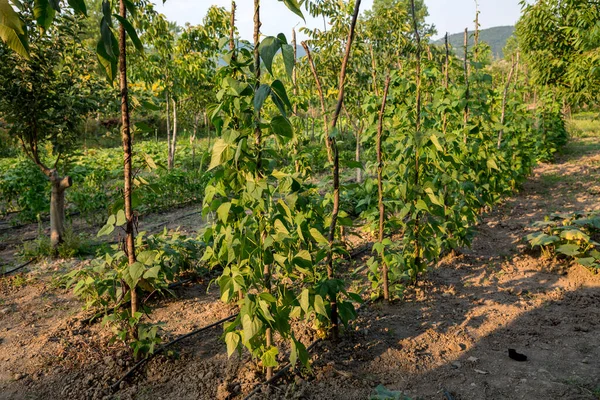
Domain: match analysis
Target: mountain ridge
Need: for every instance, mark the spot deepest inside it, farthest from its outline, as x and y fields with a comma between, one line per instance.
x=496, y=37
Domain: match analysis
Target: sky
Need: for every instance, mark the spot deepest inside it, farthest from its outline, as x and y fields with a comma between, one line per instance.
x=450, y=16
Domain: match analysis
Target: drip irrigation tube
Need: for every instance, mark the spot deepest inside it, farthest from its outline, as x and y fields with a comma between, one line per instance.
x=18, y=268
x=116, y=385
x=4, y=226
x=279, y=374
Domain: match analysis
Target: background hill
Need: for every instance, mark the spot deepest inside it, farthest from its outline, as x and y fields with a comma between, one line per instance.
x=496, y=37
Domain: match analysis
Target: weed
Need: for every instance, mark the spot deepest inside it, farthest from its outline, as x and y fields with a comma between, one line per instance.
x=73, y=245
x=571, y=236
x=19, y=281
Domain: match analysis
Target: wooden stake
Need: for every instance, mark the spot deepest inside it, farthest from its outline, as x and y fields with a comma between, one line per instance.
x=446, y=81
x=417, y=131
x=322, y=99
x=384, y=272
x=127, y=157
x=504, y=98
x=467, y=94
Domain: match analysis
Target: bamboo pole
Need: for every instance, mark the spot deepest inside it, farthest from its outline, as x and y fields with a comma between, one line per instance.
x=384, y=272
x=467, y=94
x=417, y=131
x=504, y=99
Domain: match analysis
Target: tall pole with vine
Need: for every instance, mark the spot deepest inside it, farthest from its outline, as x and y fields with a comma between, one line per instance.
x=258, y=149
x=336, y=168
x=446, y=81
x=467, y=94
x=384, y=266
x=127, y=155
x=417, y=131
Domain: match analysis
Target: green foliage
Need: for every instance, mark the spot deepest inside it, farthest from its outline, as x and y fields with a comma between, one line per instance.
x=561, y=42
x=23, y=187
x=268, y=231
x=73, y=245
x=44, y=98
x=105, y=283
x=144, y=342
x=38, y=248
x=96, y=174
x=160, y=258
x=571, y=236
x=470, y=141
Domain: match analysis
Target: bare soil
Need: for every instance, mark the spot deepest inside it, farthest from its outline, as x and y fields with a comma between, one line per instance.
x=449, y=337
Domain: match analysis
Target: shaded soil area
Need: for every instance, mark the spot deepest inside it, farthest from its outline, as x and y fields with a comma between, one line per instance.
x=449, y=337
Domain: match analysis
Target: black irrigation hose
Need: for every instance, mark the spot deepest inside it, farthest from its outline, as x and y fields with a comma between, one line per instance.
x=45, y=219
x=363, y=249
x=280, y=373
x=33, y=259
x=18, y=268
x=116, y=385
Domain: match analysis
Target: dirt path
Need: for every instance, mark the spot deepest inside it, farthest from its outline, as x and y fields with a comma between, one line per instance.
x=451, y=333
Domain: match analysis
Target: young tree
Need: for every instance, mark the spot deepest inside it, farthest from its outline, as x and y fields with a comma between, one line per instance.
x=44, y=98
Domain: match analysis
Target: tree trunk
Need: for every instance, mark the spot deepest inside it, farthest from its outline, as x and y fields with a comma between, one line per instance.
x=336, y=171
x=258, y=142
x=374, y=71
x=476, y=39
x=357, y=158
x=127, y=158
x=57, y=207
x=295, y=91
x=208, y=133
x=193, y=139
x=168, y=130
x=232, y=31
x=173, y=143
x=446, y=81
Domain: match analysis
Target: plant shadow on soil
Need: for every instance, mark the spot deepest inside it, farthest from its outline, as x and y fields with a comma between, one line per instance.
x=442, y=339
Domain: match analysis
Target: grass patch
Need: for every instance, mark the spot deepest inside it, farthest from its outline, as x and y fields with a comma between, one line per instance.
x=553, y=179
x=580, y=148
x=584, y=125
x=73, y=245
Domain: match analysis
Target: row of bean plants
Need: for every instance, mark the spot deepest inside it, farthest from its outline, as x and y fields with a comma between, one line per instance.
x=443, y=140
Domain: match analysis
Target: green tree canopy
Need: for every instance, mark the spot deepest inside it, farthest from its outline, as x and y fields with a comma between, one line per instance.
x=561, y=42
